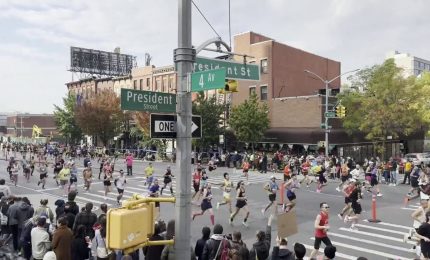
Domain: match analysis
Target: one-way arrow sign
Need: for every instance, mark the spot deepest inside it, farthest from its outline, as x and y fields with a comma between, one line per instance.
x=164, y=126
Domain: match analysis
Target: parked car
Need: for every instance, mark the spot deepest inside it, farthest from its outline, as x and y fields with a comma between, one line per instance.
x=418, y=158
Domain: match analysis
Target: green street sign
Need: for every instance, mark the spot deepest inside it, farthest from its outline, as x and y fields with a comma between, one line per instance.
x=330, y=114
x=234, y=70
x=139, y=100
x=209, y=79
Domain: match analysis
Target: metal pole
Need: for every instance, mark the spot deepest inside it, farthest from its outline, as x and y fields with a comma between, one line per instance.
x=326, y=118
x=21, y=128
x=184, y=57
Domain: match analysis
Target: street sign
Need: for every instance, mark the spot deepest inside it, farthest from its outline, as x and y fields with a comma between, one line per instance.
x=147, y=101
x=234, y=70
x=209, y=79
x=164, y=126
x=330, y=114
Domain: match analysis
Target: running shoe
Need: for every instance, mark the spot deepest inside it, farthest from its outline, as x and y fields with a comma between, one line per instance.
x=217, y=206
x=405, y=237
x=245, y=224
x=346, y=219
x=230, y=221
x=262, y=212
x=354, y=228
x=379, y=194
x=337, y=188
x=318, y=190
x=340, y=216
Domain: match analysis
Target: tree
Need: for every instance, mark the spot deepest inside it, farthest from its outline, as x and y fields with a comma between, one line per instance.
x=250, y=120
x=101, y=116
x=65, y=119
x=211, y=113
x=386, y=106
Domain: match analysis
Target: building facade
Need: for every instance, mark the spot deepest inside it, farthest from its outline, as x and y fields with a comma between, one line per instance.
x=411, y=65
x=21, y=125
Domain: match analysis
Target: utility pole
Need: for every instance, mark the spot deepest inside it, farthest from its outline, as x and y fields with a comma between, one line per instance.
x=184, y=57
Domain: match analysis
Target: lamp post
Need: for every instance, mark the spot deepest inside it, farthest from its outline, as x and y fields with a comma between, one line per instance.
x=327, y=82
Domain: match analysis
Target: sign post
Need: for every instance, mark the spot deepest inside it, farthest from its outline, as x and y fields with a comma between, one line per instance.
x=206, y=80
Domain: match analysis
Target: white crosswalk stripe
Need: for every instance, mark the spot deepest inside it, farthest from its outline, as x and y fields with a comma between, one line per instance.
x=372, y=240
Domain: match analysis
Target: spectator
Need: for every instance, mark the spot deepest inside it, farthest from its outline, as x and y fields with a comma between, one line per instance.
x=280, y=251
x=86, y=218
x=69, y=216
x=43, y=208
x=4, y=189
x=154, y=252
x=100, y=241
x=12, y=214
x=4, y=206
x=169, y=250
x=80, y=244
x=200, y=244
x=299, y=251
x=329, y=252
x=25, y=238
x=59, y=210
x=74, y=208
x=239, y=250
x=50, y=256
x=104, y=209
x=62, y=240
x=261, y=248
x=212, y=245
x=40, y=243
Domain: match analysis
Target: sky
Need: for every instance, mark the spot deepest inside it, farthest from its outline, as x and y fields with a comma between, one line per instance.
x=36, y=35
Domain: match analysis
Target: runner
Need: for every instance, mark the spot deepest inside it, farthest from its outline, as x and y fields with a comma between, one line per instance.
x=374, y=179
x=305, y=170
x=102, y=161
x=322, y=181
x=32, y=163
x=88, y=176
x=168, y=181
x=57, y=168
x=321, y=228
x=64, y=176
x=355, y=198
x=203, y=182
x=423, y=233
x=226, y=186
x=344, y=172
x=415, y=177
x=206, y=204
x=271, y=188
x=290, y=187
x=419, y=217
x=73, y=182
x=287, y=172
x=129, y=163
x=120, y=182
x=245, y=170
x=346, y=189
x=107, y=179
x=149, y=172
x=26, y=169
x=241, y=203
x=154, y=192
x=43, y=171
x=197, y=175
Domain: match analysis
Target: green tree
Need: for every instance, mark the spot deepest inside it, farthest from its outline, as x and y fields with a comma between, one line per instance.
x=212, y=116
x=250, y=120
x=101, y=116
x=65, y=119
x=384, y=105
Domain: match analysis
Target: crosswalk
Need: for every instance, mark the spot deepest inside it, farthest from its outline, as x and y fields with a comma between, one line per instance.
x=136, y=185
x=374, y=241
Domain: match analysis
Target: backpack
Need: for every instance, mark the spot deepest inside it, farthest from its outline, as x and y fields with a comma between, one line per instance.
x=223, y=252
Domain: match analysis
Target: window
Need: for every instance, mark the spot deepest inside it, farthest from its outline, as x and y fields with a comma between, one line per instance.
x=135, y=84
x=141, y=84
x=148, y=81
x=428, y=66
x=252, y=90
x=263, y=92
x=263, y=65
x=416, y=64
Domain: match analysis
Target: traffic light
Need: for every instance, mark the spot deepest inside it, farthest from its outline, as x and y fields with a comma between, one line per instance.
x=230, y=86
x=340, y=111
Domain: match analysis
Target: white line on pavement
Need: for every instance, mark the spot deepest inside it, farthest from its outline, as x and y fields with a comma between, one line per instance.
x=390, y=225
x=380, y=229
x=338, y=255
x=375, y=235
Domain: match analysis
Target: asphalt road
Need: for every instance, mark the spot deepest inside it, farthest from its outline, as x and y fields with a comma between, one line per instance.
x=374, y=241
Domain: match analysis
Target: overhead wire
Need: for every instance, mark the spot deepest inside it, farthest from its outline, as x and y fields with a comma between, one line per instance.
x=204, y=17
x=229, y=21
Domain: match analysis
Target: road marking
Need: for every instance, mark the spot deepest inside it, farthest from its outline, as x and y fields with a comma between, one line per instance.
x=380, y=229
x=390, y=225
x=376, y=235
x=322, y=193
x=370, y=251
x=338, y=254
x=408, y=209
x=92, y=201
x=370, y=242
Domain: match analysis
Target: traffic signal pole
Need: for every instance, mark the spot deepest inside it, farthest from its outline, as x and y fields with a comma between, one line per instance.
x=184, y=57
x=326, y=118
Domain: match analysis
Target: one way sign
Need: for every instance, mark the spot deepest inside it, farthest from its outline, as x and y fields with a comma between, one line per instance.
x=164, y=126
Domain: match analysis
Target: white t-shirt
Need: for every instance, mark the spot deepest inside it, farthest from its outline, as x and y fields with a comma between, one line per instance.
x=120, y=183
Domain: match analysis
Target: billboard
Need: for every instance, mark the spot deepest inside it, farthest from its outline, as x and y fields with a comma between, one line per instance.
x=100, y=62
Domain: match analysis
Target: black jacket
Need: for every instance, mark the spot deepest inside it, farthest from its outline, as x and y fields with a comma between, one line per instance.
x=261, y=249
x=198, y=250
x=239, y=250
x=282, y=254
x=80, y=250
x=153, y=252
x=88, y=219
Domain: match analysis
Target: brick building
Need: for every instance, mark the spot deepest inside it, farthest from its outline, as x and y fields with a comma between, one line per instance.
x=21, y=125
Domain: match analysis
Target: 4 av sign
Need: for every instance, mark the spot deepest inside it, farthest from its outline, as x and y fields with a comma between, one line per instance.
x=164, y=126
x=234, y=70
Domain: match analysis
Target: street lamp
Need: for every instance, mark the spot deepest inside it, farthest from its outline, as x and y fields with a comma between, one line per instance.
x=327, y=82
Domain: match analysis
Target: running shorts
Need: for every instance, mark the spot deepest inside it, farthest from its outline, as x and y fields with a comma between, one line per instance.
x=240, y=204
x=205, y=205
x=106, y=183
x=373, y=182
x=318, y=241
x=120, y=191
x=196, y=186
x=414, y=183
x=347, y=200
x=272, y=197
x=291, y=195
x=63, y=182
x=356, y=207
x=43, y=176
x=344, y=178
x=226, y=196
